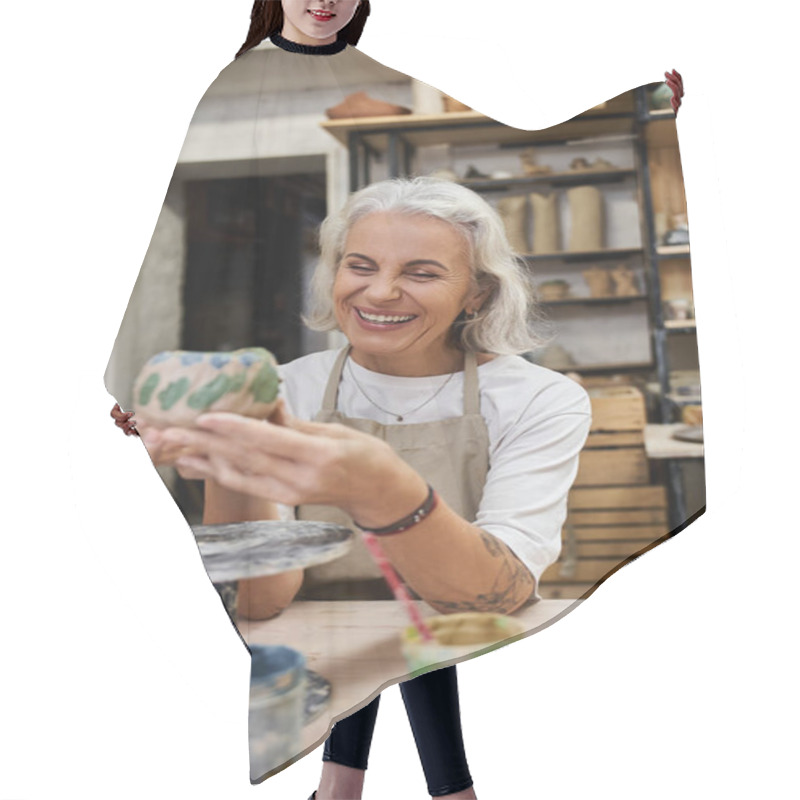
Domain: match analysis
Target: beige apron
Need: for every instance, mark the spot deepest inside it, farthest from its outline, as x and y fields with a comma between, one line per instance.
x=452, y=455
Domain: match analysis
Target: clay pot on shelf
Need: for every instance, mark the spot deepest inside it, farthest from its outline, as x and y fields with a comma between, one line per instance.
x=451, y=104
x=660, y=97
x=587, y=219
x=427, y=99
x=545, y=223
x=529, y=165
x=599, y=281
x=513, y=211
x=360, y=104
x=599, y=165
x=550, y=291
x=624, y=281
x=678, y=309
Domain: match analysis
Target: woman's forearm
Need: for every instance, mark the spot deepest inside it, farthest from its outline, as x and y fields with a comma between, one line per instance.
x=258, y=598
x=450, y=563
x=456, y=566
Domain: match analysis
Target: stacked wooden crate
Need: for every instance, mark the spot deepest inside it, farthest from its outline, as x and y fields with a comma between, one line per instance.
x=614, y=511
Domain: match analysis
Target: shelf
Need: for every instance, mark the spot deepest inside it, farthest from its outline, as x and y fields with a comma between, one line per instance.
x=684, y=400
x=660, y=113
x=470, y=128
x=672, y=251
x=586, y=255
x=570, y=301
x=572, y=178
x=623, y=367
x=681, y=325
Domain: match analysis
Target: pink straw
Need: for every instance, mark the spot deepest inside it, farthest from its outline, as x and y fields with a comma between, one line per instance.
x=392, y=578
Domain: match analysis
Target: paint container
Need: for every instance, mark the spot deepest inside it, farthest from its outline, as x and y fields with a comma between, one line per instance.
x=277, y=697
x=457, y=636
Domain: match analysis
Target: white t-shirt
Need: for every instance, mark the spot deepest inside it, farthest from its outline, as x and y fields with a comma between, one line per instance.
x=537, y=421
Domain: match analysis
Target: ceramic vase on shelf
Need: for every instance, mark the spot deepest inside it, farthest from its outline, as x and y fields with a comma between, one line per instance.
x=426, y=99
x=599, y=281
x=661, y=97
x=451, y=104
x=586, y=218
x=513, y=211
x=661, y=226
x=545, y=223
x=624, y=281
x=550, y=291
x=529, y=165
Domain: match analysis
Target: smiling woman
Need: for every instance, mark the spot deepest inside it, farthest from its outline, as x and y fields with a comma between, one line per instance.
x=429, y=400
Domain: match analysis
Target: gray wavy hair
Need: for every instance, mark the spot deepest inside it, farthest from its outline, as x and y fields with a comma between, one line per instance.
x=509, y=320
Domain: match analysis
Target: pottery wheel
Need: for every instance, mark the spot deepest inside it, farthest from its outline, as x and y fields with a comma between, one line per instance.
x=238, y=550
x=318, y=695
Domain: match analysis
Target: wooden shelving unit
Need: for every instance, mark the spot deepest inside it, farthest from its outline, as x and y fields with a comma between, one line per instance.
x=394, y=141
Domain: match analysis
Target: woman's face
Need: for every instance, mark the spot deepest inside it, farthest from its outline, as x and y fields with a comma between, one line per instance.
x=315, y=22
x=402, y=282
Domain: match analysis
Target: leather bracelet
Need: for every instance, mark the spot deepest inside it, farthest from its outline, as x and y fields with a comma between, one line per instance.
x=409, y=521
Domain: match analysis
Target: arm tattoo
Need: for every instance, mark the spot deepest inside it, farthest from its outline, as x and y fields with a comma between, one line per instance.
x=512, y=586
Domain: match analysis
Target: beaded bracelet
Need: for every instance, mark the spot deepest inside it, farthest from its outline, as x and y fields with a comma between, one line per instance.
x=409, y=521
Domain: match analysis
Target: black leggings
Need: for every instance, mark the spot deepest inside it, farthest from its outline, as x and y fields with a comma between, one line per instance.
x=432, y=706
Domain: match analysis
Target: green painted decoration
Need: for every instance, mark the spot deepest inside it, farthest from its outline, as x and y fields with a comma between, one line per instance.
x=209, y=393
x=265, y=384
x=148, y=387
x=169, y=396
x=237, y=381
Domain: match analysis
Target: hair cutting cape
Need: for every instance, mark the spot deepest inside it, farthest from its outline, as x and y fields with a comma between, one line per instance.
x=594, y=207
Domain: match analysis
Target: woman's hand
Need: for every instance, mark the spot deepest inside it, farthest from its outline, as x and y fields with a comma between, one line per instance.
x=296, y=462
x=164, y=451
x=124, y=420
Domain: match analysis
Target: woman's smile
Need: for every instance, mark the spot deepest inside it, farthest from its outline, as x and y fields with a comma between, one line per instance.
x=402, y=282
x=378, y=320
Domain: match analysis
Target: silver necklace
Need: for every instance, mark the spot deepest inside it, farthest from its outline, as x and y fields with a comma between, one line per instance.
x=399, y=417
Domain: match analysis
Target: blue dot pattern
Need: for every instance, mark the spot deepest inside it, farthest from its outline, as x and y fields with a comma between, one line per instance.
x=219, y=360
x=248, y=359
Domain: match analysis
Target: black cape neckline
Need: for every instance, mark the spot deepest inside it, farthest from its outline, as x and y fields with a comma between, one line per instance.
x=308, y=49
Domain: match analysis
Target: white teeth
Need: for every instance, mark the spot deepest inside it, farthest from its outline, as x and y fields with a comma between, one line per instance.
x=383, y=318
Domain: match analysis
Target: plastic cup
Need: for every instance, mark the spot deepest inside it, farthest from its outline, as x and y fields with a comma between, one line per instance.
x=277, y=700
x=457, y=636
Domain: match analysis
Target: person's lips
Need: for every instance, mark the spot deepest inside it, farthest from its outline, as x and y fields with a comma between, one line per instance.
x=323, y=16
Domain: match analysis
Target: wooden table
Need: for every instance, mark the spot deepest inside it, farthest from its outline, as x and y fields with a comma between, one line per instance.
x=659, y=444
x=356, y=646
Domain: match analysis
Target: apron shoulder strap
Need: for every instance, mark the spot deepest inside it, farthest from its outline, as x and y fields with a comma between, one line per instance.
x=332, y=388
x=472, y=396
